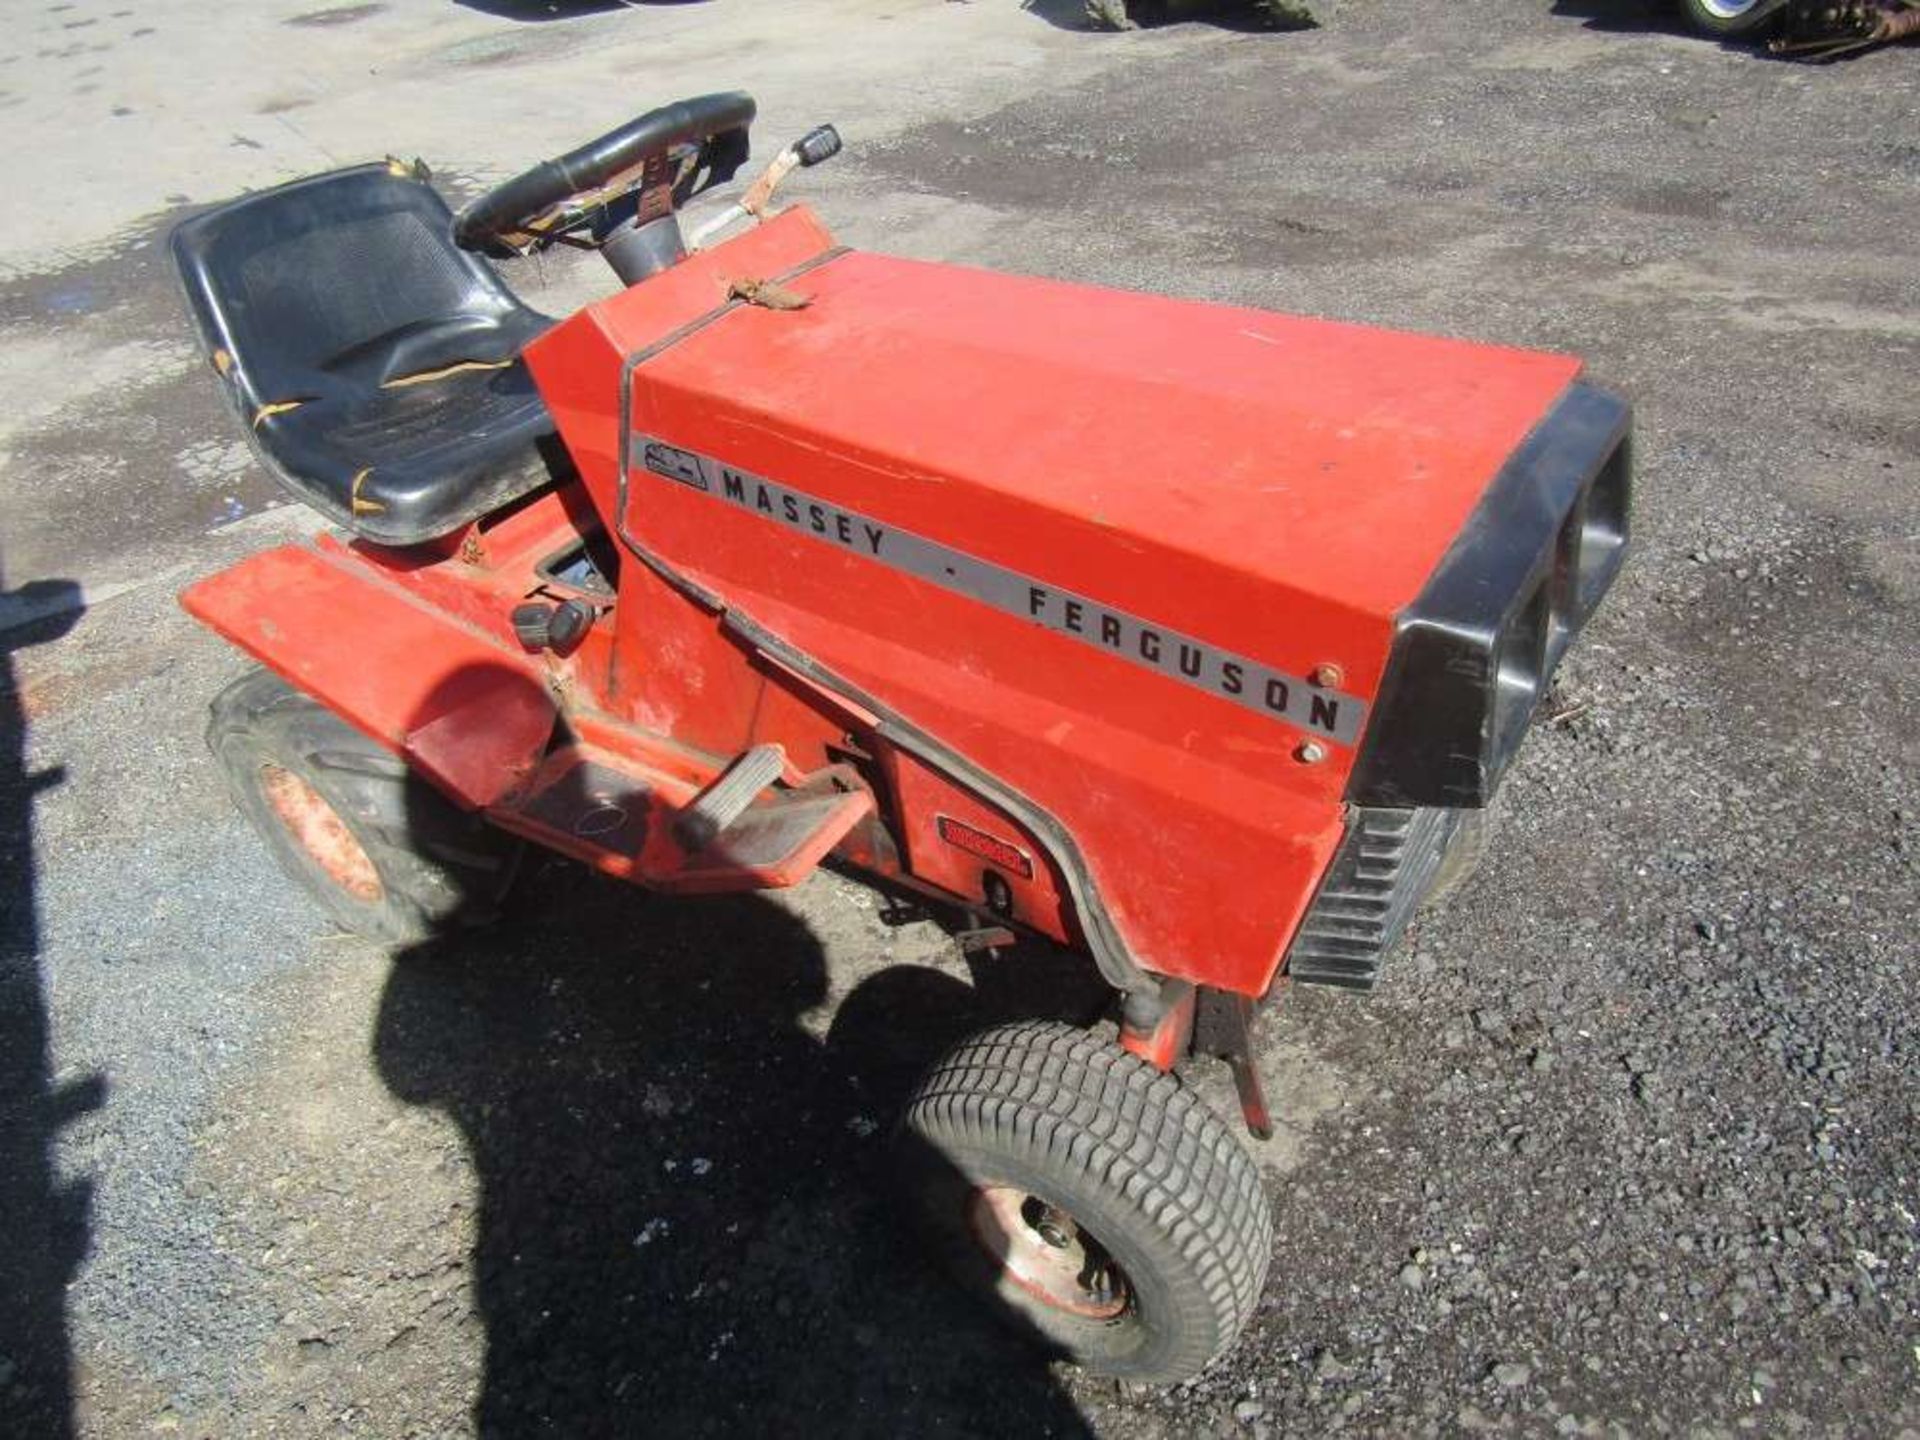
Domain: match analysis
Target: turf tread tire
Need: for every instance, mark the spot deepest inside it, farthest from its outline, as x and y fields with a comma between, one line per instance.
x=1157, y=1175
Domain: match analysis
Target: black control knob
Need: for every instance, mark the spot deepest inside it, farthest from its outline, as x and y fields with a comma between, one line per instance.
x=818, y=144
x=558, y=628
x=569, y=626
x=532, y=622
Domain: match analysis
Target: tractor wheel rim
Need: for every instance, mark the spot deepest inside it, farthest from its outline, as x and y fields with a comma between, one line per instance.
x=1044, y=1251
x=316, y=827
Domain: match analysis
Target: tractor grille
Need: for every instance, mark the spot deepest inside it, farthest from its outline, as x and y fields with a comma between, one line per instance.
x=1384, y=867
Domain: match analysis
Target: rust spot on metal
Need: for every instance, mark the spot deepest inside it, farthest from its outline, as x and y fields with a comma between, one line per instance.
x=1043, y=1250
x=318, y=829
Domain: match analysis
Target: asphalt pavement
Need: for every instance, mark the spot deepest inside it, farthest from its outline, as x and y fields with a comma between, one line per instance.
x=1625, y=1144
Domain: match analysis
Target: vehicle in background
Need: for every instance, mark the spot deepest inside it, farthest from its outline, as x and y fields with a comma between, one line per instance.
x=1808, y=28
x=1735, y=19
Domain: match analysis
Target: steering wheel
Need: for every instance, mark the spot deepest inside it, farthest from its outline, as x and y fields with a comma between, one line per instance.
x=662, y=157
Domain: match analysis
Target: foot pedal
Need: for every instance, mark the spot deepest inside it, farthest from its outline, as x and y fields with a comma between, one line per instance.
x=623, y=815
x=700, y=822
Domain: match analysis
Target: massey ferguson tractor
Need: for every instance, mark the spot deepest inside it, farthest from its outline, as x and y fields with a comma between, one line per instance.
x=1189, y=637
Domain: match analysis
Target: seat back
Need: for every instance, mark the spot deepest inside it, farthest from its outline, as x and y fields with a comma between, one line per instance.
x=370, y=360
x=342, y=281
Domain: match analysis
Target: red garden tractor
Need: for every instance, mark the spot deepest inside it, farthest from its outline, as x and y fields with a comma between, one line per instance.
x=1186, y=636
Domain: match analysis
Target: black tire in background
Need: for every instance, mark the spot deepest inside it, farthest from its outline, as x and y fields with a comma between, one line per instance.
x=1733, y=19
x=1152, y=1194
x=404, y=863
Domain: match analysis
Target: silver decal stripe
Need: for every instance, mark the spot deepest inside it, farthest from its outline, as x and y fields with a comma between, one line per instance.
x=1218, y=672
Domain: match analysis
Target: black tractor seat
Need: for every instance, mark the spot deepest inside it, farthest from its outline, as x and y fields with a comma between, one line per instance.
x=374, y=363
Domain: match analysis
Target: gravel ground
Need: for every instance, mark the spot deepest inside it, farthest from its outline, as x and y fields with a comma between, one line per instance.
x=1624, y=1144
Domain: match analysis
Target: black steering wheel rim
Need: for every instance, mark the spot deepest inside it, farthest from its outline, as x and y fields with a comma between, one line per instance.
x=509, y=208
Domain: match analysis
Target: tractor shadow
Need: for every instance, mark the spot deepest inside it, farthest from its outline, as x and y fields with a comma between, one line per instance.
x=686, y=1224
x=46, y=1219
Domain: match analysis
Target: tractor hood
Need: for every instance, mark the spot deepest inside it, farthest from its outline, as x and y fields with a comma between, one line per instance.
x=1151, y=562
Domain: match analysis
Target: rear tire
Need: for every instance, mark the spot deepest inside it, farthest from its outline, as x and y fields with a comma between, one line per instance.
x=386, y=856
x=1091, y=1200
x=1733, y=19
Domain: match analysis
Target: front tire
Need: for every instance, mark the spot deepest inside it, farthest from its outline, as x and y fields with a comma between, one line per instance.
x=386, y=856
x=1732, y=19
x=1092, y=1200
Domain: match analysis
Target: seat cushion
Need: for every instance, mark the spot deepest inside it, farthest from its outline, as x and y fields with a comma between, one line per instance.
x=374, y=363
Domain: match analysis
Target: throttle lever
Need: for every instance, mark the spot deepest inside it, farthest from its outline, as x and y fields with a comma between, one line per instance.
x=819, y=144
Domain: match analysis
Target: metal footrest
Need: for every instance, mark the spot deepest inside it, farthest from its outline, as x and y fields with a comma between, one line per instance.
x=772, y=845
x=727, y=798
x=649, y=826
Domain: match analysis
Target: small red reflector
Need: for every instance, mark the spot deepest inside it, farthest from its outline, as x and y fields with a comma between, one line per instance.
x=978, y=842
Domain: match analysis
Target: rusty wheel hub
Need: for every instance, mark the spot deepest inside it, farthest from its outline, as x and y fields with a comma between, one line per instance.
x=318, y=829
x=1043, y=1250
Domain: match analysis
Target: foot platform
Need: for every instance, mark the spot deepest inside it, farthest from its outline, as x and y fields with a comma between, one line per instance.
x=737, y=832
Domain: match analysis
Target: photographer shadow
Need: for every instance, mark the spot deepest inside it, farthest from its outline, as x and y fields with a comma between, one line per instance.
x=46, y=1218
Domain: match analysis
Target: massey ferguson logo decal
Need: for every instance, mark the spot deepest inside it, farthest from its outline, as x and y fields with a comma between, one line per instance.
x=1222, y=673
x=681, y=465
